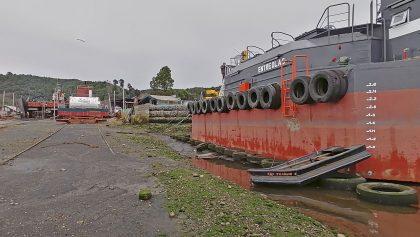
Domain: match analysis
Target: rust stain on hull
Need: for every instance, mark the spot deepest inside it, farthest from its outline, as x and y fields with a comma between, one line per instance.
x=392, y=137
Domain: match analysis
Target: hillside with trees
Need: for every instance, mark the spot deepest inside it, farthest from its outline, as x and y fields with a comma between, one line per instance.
x=41, y=88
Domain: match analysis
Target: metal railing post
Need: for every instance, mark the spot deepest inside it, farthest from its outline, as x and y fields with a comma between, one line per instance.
x=352, y=24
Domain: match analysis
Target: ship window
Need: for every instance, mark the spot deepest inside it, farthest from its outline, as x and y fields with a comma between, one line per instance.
x=399, y=18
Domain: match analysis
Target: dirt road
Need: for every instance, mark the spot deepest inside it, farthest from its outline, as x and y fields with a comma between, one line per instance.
x=73, y=185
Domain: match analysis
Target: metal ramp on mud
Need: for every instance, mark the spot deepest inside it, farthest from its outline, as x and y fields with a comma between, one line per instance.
x=307, y=168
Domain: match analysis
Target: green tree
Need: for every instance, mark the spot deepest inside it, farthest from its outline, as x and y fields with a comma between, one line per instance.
x=163, y=80
x=122, y=83
x=184, y=95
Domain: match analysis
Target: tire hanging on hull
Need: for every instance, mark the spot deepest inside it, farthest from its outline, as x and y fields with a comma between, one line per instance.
x=221, y=105
x=254, y=97
x=204, y=106
x=270, y=96
x=242, y=100
x=231, y=101
x=212, y=104
x=299, y=91
x=328, y=86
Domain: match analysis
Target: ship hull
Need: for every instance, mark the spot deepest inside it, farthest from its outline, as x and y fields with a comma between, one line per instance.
x=380, y=110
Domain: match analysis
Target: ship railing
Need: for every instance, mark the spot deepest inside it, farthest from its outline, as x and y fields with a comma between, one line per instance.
x=252, y=53
x=378, y=11
x=331, y=14
x=275, y=42
x=235, y=60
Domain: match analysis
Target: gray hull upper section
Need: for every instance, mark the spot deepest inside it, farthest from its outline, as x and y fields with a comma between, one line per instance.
x=321, y=54
x=366, y=45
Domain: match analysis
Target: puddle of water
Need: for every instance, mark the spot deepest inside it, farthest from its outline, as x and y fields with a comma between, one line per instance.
x=341, y=210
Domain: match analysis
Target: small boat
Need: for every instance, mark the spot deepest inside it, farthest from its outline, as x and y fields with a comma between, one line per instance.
x=307, y=168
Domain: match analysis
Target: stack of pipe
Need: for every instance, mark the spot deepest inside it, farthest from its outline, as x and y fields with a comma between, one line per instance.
x=169, y=113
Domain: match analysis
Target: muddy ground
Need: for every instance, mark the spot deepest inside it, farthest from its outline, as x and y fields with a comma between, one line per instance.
x=73, y=185
x=83, y=181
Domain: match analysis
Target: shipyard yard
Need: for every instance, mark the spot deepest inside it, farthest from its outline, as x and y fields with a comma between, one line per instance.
x=73, y=184
x=84, y=179
x=211, y=118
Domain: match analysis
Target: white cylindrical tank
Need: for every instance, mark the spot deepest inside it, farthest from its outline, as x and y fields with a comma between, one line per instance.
x=84, y=102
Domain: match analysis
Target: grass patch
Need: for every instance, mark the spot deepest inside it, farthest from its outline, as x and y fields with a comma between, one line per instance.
x=167, y=129
x=154, y=147
x=214, y=209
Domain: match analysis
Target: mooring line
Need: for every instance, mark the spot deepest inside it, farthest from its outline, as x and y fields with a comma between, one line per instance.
x=32, y=146
x=106, y=142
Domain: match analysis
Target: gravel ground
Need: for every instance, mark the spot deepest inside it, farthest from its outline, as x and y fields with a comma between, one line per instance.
x=73, y=185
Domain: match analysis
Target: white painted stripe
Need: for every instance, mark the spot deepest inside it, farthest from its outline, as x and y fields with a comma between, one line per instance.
x=404, y=29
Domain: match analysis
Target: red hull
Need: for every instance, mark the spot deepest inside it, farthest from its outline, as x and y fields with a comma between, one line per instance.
x=87, y=113
x=390, y=130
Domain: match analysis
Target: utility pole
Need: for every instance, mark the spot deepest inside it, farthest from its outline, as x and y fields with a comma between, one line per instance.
x=4, y=94
x=114, y=103
x=13, y=99
x=109, y=100
x=54, y=99
x=123, y=98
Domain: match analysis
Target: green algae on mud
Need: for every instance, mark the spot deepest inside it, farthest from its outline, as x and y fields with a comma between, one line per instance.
x=205, y=205
x=210, y=206
x=164, y=128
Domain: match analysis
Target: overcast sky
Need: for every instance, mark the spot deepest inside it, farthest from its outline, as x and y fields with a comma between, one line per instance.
x=133, y=39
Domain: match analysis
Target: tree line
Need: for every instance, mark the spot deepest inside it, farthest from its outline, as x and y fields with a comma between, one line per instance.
x=40, y=88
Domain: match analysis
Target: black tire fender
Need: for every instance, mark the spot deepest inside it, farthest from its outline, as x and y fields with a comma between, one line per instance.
x=387, y=193
x=242, y=100
x=342, y=182
x=270, y=96
x=213, y=105
x=299, y=90
x=197, y=109
x=323, y=87
x=221, y=105
x=204, y=106
x=254, y=97
x=190, y=107
x=342, y=77
x=231, y=101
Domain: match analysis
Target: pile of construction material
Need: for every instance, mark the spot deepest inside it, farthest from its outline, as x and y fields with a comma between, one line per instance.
x=148, y=113
x=169, y=114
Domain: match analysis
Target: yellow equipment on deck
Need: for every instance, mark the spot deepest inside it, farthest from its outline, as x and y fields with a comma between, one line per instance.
x=208, y=94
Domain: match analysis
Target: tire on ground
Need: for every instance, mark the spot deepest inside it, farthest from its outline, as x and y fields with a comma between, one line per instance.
x=299, y=90
x=220, y=149
x=254, y=97
x=387, y=193
x=239, y=155
x=212, y=104
x=221, y=105
x=342, y=182
x=204, y=106
x=211, y=147
x=270, y=96
x=231, y=101
x=324, y=87
x=228, y=152
x=242, y=100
